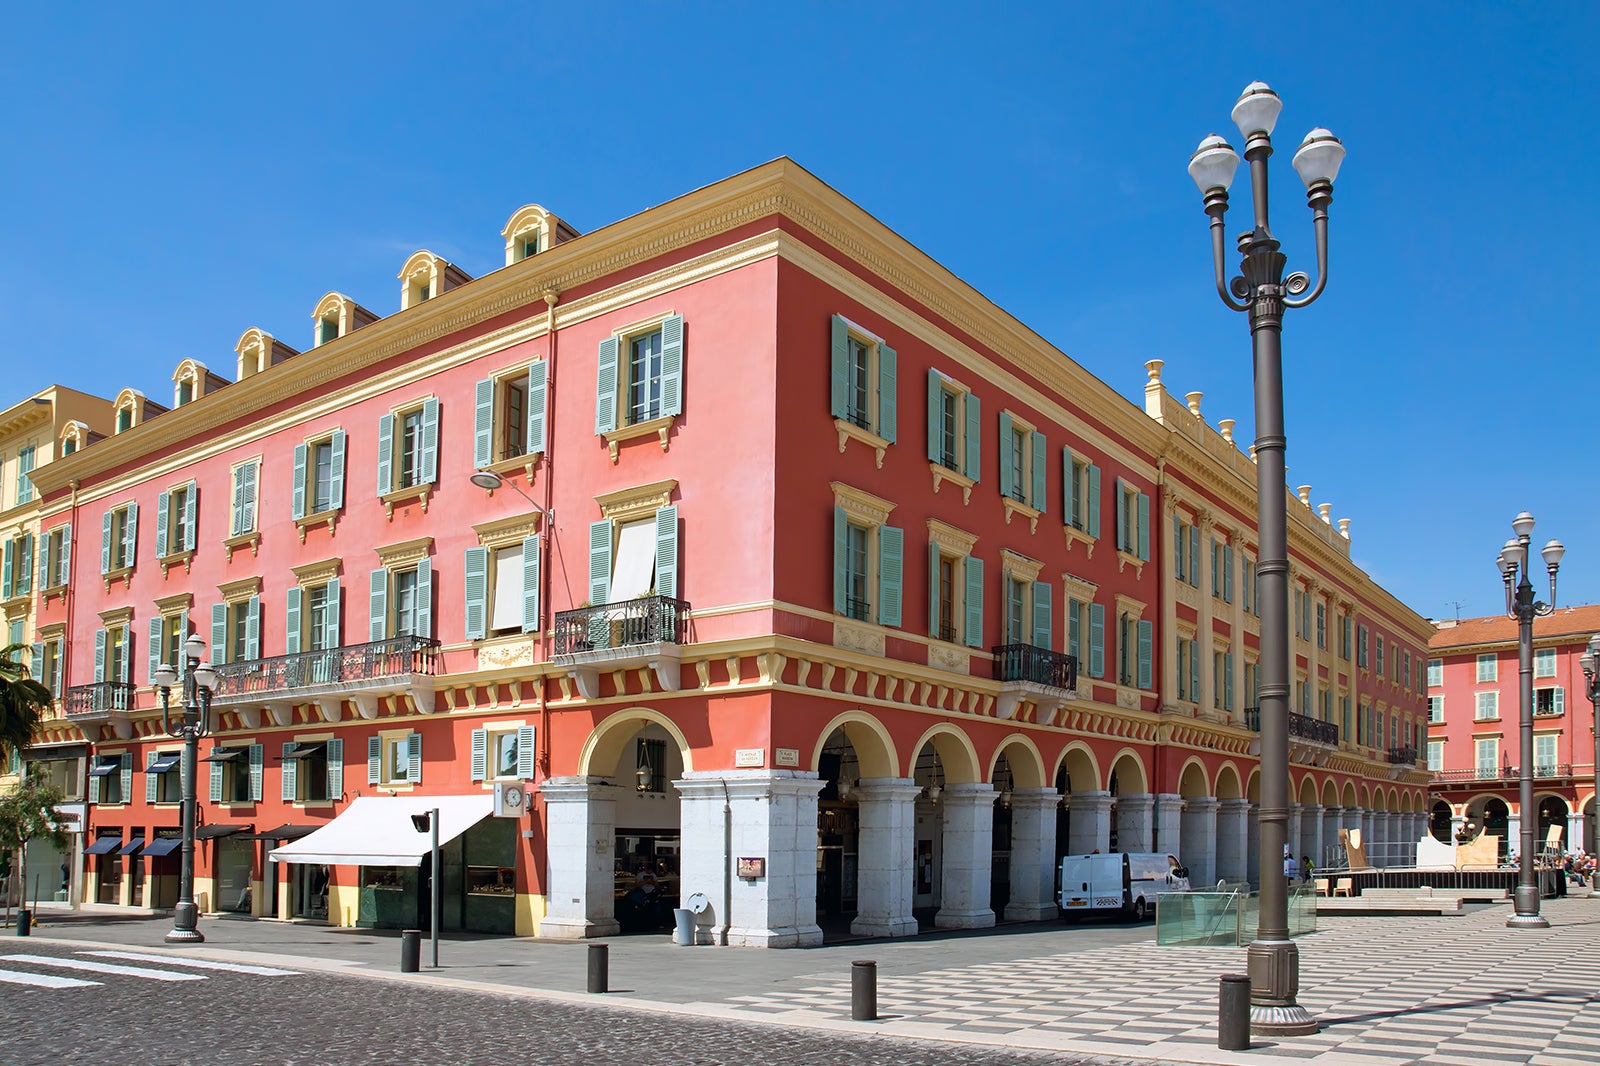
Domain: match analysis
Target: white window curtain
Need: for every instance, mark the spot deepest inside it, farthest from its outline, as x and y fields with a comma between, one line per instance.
x=634, y=572
x=507, y=613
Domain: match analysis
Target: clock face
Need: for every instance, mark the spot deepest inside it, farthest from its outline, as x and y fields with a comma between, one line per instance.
x=513, y=797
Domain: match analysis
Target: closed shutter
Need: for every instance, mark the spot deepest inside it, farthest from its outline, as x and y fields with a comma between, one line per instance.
x=1227, y=683
x=130, y=538
x=191, y=510
x=378, y=604
x=65, y=562
x=424, y=626
x=600, y=562
x=374, y=759
x=414, y=758
x=385, y=454
x=6, y=584
x=887, y=406
x=25, y=565
x=257, y=760
x=672, y=366
x=105, y=542
x=36, y=664
x=841, y=551
x=1008, y=487
x=236, y=513
x=1074, y=630
x=94, y=785
x=483, y=424
x=933, y=588
x=126, y=776
x=1194, y=670
x=1227, y=573
x=891, y=570
x=972, y=570
x=475, y=588
x=1122, y=515
x=219, y=633
x=1146, y=651
x=44, y=561
x=538, y=404
x=667, y=552
x=332, y=634
x=1041, y=614
x=291, y=621
x=151, y=781
x=155, y=647
x=935, y=418
x=336, y=477
x=290, y=772
x=428, y=455
x=605, y=394
x=335, y=769
x=480, y=753
x=527, y=754
x=1036, y=498
x=214, y=773
x=839, y=365
x=252, y=628
x=298, y=508
x=1069, y=514
x=974, y=435
x=163, y=517
x=532, y=557
x=1097, y=640
x=1094, y=500
x=99, y=656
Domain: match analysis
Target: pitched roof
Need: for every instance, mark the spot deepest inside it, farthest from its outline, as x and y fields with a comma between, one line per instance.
x=1577, y=622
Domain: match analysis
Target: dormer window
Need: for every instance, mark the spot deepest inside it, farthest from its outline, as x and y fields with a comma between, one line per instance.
x=124, y=419
x=133, y=408
x=259, y=351
x=532, y=230
x=335, y=316
x=327, y=330
x=425, y=277
x=191, y=381
x=185, y=391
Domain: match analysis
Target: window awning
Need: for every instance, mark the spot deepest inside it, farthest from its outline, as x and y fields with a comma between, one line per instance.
x=103, y=846
x=163, y=763
x=131, y=847
x=105, y=769
x=223, y=755
x=288, y=831
x=304, y=750
x=377, y=831
x=634, y=573
x=163, y=846
x=212, y=832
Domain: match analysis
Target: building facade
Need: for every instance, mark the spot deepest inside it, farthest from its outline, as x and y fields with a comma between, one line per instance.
x=737, y=543
x=1474, y=716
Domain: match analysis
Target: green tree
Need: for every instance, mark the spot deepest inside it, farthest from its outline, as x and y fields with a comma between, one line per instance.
x=30, y=812
x=23, y=702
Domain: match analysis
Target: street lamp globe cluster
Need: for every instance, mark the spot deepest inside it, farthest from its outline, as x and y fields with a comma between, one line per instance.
x=191, y=723
x=1263, y=290
x=1590, y=661
x=1513, y=563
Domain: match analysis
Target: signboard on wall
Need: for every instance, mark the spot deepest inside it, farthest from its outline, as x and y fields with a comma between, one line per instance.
x=749, y=757
x=750, y=867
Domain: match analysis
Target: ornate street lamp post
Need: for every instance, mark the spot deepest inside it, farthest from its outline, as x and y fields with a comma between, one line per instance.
x=1520, y=605
x=1590, y=661
x=194, y=723
x=1262, y=289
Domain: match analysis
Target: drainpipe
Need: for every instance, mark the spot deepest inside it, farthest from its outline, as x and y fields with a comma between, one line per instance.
x=727, y=862
x=551, y=296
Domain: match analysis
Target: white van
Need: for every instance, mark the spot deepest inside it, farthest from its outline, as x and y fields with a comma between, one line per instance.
x=1126, y=881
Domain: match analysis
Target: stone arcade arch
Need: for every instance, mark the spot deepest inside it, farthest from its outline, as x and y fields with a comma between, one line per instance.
x=1233, y=826
x=863, y=828
x=954, y=826
x=1022, y=879
x=1197, y=842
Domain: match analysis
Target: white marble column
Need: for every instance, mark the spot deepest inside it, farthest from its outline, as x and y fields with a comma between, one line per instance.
x=1232, y=833
x=770, y=814
x=1134, y=813
x=1252, y=853
x=1292, y=837
x=1033, y=854
x=1514, y=835
x=886, y=807
x=1199, y=848
x=580, y=883
x=1169, y=824
x=968, y=854
x=1088, y=822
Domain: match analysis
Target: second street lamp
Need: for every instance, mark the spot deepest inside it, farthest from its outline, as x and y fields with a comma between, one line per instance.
x=1521, y=606
x=193, y=722
x=1265, y=292
x=1590, y=661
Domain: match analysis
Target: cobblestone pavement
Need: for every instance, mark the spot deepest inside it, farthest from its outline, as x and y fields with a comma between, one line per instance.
x=1389, y=991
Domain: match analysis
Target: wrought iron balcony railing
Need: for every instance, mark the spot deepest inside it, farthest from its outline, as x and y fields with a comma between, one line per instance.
x=645, y=620
x=102, y=697
x=1476, y=773
x=1252, y=718
x=1553, y=769
x=1039, y=666
x=397, y=657
x=1398, y=756
x=1305, y=727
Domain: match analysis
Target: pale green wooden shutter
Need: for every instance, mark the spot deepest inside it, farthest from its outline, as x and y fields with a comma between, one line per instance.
x=841, y=551
x=378, y=604
x=532, y=556
x=336, y=477
x=1069, y=516
x=1194, y=556
x=839, y=351
x=1194, y=669
x=974, y=435
x=25, y=565
x=1097, y=640
x=414, y=758
x=374, y=759
x=600, y=562
x=44, y=561
x=163, y=516
x=1074, y=630
x=252, y=628
x=480, y=753
x=257, y=762
x=972, y=570
x=191, y=510
x=99, y=656
x=126, y=777
x=1041, y=614
x=483, y=424
x=538, y=405
x=155, y=647
x=219, y=633
x=1227, y=573
x=891, y=569
x=672, y=366
x=291, y=621
x=130, y=540
x=36, y=663
x=887, y=407
x=214, y=772
x=428, y=457
x=1036, y=497
x=667, y=552
x=94, y=784
x=335, y=769
x=1146, y=638
x=105, y=542
x=7, y=561
x=299, y=504
x=1144, y=526
x=1094, y=500
x=1007, y=488
x=333, y=636
x=605, y=395
x=935, y=418
x=527, y=753
x=385, y=453
x=1122, y=515
x=236, y=524
x=424, y=626
x=290, y=772
x=150, y=780
x=475, y=586
x=933, y=588
x=1227, y=681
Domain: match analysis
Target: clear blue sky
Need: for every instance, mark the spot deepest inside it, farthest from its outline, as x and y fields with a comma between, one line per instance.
x=173, y=177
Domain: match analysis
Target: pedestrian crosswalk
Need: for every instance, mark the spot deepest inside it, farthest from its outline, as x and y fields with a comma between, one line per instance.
x=24, y=969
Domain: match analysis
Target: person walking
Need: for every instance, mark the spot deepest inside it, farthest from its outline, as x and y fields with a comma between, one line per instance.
x=1291, y=870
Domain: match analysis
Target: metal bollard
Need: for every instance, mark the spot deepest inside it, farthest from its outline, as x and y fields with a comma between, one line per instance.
x=410, y=950
x=1233, y=1012
x=599, y=963
x=863, y=991
x=24, y=922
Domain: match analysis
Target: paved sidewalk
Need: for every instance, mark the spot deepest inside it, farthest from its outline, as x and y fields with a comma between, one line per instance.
x=1387, y=990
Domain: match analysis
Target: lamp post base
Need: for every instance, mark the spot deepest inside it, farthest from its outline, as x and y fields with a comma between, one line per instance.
x=1525, y=908
x=1291, y=1020
x=1274, y=968
x=1527, y=921
x=183, y=925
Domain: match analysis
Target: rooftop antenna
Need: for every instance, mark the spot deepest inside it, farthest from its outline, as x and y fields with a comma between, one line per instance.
x=1457, y=604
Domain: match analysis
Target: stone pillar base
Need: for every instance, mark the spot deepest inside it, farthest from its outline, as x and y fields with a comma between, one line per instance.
x=802, y=937
x=906, y=926
x=946, y=919
x=567, y=929
x=1031, y=912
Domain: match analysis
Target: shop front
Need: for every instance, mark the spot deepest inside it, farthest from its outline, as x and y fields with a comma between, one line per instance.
x=233, y=866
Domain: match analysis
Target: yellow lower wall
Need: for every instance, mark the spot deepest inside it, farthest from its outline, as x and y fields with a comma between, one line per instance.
x=343, y=904
x=205, y=894
x=530, y=912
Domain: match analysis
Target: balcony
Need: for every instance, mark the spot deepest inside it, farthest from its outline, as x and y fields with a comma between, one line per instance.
x=361, y=673
x=1477, y=774
x=103, y=701
x=645, y=631
x=1402, y=756
x=1035, y=675
x=1559, y=769
x=1304, y=727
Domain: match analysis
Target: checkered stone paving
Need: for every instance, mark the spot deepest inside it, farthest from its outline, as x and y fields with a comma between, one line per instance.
x=1388, y=991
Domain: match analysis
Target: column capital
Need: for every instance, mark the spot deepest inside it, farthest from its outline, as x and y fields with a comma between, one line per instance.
x=1034, y=798
x=886, y=788
x=577, y=789
x=1198, y=804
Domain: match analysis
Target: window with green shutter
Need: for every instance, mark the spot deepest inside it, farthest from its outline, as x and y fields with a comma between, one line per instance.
x=863, y=370
x=640, y=376
x=509, y=415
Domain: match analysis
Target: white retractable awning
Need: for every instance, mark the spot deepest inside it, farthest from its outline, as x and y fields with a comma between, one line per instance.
x=378, y=831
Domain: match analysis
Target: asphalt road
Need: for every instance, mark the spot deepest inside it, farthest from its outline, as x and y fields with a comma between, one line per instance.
x=160, y=1012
